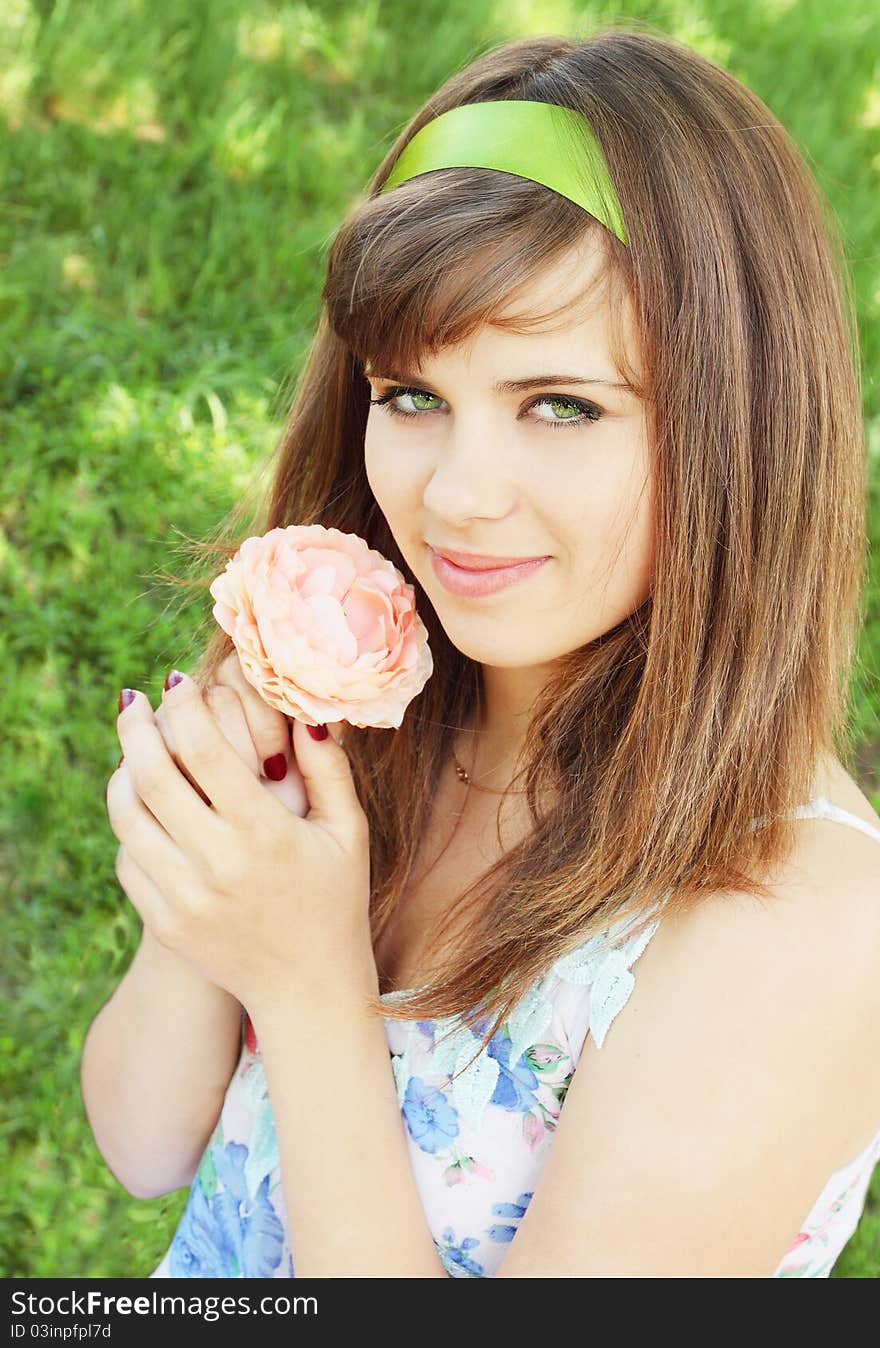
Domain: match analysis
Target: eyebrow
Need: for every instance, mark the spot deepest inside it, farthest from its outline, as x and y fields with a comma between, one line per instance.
x=510, y=385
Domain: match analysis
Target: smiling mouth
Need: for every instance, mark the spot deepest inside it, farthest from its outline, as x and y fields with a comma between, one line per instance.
x=468, y=561
x=468, y=583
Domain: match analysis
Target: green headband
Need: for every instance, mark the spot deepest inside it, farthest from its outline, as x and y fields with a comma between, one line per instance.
x=550, y=144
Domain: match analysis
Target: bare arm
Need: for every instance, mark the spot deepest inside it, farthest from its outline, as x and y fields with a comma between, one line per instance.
x=159, y=1055
x=156, y=1063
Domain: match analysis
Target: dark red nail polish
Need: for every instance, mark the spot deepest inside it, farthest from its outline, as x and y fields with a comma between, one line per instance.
x=173, y=679
x=126, y=697
x=318, y=732
x=275, y=767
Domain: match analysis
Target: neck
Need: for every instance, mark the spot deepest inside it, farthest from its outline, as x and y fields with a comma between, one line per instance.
x=491, y=744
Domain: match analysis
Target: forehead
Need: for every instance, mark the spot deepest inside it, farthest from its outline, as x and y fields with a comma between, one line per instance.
x=524, y=301
x=578, y=277
x=571, y=313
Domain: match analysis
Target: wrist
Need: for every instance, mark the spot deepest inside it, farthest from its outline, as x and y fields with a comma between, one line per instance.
x=342, y=994
x=177, y=968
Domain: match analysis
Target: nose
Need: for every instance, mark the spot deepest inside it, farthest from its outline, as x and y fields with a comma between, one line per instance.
x=471, y=476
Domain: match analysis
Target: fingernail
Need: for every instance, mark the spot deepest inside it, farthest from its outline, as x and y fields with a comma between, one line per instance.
x=126, y=697
x=318, y=732
x=173, y=679
x=275, y=767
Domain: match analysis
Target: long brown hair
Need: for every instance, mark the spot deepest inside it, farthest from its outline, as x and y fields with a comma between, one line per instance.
x=710, y=706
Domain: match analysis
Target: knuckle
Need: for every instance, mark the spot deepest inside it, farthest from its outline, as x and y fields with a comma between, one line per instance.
x=128, y=876
x=161, y=723
x=202, y=756
x=355, y=830
x=222, y=697
x=277, y=859
x=215, y=856
x=116, y=800
x=167, y=929
x=266, y=726
x=147, y=778
x=360, y=833
x=172, y=922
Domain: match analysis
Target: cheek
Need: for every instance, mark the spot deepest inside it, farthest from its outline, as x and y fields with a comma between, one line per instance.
x=397, y=492
x=613, y=539
x=379, y=466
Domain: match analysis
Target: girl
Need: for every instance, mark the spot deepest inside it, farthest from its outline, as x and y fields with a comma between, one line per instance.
x=642, y=631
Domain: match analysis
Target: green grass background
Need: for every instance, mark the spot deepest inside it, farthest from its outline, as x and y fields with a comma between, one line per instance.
x=172, y=175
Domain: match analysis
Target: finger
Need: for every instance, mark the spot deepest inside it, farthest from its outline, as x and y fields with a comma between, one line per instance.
x=149, y=865
x=235, y=792
x=143, y=895
x=290, y=789
x=229, y=714
x=326, y=769
x=269, y=728
x=165, y=732
x=225, y=706
x=164, y=790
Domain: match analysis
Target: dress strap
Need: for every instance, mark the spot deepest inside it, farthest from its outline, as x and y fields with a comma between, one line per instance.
x=605, y=961
x=820, y=807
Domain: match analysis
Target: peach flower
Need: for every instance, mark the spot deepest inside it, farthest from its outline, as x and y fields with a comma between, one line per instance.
x=325, y=627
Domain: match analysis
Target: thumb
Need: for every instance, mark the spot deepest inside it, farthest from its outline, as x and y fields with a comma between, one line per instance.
x=326, y=772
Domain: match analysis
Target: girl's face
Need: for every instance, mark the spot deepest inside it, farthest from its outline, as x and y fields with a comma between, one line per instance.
x=560, y=469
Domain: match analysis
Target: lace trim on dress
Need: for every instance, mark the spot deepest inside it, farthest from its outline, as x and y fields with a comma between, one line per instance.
x=603, y=962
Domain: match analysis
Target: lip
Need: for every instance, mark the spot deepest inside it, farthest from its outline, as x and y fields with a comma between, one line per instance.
x=472, y=584
x=473, y=561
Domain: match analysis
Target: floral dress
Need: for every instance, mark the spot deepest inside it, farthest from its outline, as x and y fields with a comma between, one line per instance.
x=478, y=1143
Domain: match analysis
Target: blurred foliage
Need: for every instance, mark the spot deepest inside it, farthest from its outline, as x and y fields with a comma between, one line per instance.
x=172, y=177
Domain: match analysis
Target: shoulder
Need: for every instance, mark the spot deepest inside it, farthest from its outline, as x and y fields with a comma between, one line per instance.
x=794, y=980
x=825, y=899
x=737, y=1078
x=824, y=911
x=829, y=891
x=823, y=920
x=783, y=994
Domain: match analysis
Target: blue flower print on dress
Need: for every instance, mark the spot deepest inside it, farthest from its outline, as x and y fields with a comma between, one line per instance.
x=455, y=1258
x=505, y=1233
x=515, y=1088
x=200, y=1248
x=227, y=1234
x=430, y=1118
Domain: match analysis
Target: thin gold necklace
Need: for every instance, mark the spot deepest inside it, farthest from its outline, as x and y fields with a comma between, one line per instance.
x=463, y=777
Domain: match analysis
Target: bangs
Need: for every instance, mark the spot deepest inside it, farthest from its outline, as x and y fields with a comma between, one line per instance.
x=426, y=265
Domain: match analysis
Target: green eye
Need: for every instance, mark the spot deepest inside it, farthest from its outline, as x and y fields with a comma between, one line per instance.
x=585, y=412
x=388, y=399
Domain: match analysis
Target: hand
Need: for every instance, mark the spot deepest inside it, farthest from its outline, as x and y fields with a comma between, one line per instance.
x=257, y=898
x=256, y=732
x=254, y=729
